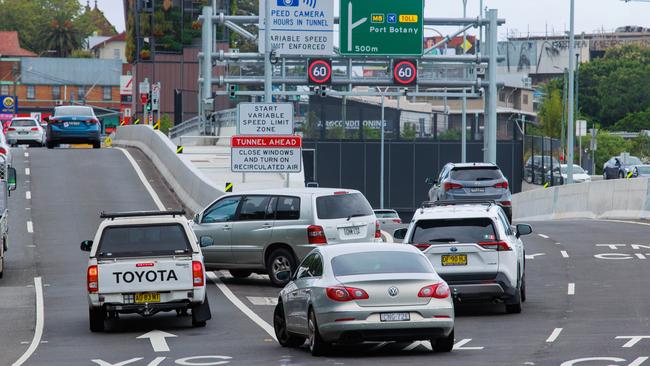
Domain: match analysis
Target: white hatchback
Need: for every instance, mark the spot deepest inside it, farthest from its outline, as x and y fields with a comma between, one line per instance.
x=25, y=130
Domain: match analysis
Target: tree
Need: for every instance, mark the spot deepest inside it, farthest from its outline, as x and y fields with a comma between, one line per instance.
x=409, y=133
x=62, y=37
x=634, y=122
x=551, y=110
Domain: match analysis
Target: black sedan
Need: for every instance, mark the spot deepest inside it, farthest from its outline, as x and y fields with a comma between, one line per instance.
x=619, y=166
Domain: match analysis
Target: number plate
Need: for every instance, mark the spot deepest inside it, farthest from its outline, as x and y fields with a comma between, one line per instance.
x=477, y=190
x=454, y=260
x=23, y=132
x=348, y=231
x=147, y=297
x=395, y=317
x=74, y=123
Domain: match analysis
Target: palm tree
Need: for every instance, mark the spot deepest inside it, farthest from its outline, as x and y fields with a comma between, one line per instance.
x=62, y=37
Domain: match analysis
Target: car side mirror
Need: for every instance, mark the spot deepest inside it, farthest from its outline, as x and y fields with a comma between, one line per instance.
x=400, y=233
x=524, y=229
x=206, y=241
x=283, y=275
x=86, y=245
x=11, y=179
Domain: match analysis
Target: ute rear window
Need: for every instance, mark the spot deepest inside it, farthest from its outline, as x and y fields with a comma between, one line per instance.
x=476, y=174
x=379, y=262
x=453, y=231
x=342, y=206
x=143, y=241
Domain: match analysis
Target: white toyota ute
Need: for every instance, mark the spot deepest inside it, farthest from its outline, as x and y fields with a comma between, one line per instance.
x=144, y=263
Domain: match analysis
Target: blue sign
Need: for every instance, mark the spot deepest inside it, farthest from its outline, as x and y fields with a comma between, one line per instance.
x=8, y=104
x=391, y=18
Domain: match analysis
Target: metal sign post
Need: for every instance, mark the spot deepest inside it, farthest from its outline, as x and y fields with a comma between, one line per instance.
x=155, y=100
x=144, y=89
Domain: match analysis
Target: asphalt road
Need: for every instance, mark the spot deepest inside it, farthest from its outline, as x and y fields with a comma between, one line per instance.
x=587, y=290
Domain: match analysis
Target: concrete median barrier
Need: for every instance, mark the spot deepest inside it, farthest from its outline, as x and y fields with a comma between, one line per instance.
x=610, y=199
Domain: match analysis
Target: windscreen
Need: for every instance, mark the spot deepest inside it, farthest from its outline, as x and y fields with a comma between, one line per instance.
x=476, y=174
x=23, y=123
x=342, y=206
x=143, y=240
x=386, y=215
x=453, y=231
x=73, y=111
x=576, y=170
x=379, y=262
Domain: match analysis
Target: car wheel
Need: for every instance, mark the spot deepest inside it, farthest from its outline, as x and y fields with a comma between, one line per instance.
x=317, y=346
x=97, y=145
x=523, y=289
x=2, y=266
x=49, y=145
x=240, y=273
x=285, y=338
x=96, y=317
x=621, y=175
x=514, y=306
x=445, y=344
x=280, y=260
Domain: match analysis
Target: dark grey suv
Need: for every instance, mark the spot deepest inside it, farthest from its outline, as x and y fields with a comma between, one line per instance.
x=472, y=181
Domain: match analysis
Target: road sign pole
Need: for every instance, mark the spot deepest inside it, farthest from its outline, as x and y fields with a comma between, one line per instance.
x=206, y=64
x=381, y=166
x=492, y=89
x=463, y=132
x=268, y=67
x=570, y=129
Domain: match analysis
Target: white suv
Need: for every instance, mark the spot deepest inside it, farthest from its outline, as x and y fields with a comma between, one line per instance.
x=473, y=247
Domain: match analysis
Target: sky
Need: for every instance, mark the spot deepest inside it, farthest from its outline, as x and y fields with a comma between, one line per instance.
x=522, y=16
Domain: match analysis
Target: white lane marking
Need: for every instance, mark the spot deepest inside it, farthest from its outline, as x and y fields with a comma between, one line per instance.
x=157, y=339
x=380, y=345
x=26, y=154
x=564, y=254
x=123, y=363
x=558, y=243
x=639, y=361
x=460, y=345
x=632, y=340
x=30, y=227
x=412, y=346
x=571, y=290
x=40, y=320
x=27, y=171
x=263, y=301
x=238, y=303
x=543, y=236
x=532, y=256
x=143, y=179
x=626, y=222
x=28, y=195
x=554, y=334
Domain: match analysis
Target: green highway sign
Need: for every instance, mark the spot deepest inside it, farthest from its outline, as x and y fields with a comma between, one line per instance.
x=381, y=27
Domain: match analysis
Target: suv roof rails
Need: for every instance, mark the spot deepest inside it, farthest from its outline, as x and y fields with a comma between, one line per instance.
x=429, y=204
x=114, y=215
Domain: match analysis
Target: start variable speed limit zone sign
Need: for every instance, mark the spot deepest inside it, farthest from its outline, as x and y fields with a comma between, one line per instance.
x=266, y=154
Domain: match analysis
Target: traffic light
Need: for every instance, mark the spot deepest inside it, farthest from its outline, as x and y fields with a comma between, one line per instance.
x=149, y=103
x=232, y=89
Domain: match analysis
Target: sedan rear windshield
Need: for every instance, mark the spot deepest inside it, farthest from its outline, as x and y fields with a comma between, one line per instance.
x=143, y=241
x=453, y=231
x=380, y=262
x=476, y=174
x=73, y=111
x=23, y=123
x=342, y=206
x=386, y=214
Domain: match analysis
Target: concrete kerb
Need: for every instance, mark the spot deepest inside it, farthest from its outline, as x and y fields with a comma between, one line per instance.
x=189, y=184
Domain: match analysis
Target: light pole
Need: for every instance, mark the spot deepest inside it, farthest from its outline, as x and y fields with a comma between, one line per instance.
x=570, y=127
x=463, y=132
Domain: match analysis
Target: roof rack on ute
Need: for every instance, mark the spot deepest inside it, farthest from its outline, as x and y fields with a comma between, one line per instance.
x=114, y=215
x=429, y=204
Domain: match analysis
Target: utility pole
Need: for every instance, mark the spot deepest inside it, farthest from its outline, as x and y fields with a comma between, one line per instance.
x=570, y=127
x=463, y=132
x=492, y=88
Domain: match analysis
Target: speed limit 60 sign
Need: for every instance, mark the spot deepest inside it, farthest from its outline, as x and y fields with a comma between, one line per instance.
x=319, y=71
x=405, y=72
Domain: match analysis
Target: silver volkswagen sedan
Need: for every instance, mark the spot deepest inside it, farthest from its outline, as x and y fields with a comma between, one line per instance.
x=364, y=292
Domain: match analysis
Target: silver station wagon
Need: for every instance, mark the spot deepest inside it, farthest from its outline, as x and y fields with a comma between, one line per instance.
x=270, y=231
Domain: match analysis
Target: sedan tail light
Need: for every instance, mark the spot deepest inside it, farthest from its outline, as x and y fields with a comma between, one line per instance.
x=34, y=128
x=377, y=230
x=92, y=279
x=344, y=294
x=316, y=235
x=506, y=203
x=3, y=151
x=439, y=291
x=11, y=129
x=397, y=221
x=449, y=186
x=197, y=274
x=499, y=246
x=503, y=185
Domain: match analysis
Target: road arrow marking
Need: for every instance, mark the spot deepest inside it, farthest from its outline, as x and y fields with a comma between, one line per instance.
x=157, y=339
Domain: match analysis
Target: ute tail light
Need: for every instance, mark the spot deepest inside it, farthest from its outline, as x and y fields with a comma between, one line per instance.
x=344, y=294
x=316, y=235
x=499, y=246
x=449, y=186
x=377, y=230
x=92, y=279
x=422, y=247
x=503, y=185
x=197, y=274
x=439, y=291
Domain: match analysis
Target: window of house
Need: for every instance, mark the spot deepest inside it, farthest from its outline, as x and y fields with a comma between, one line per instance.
x=525, y=98
x=56, y=92
x=108, y=93
x=4, y=89
x=31, y=93
x=81, y=92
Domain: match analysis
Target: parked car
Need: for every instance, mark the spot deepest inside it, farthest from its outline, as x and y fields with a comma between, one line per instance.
x=386, y=216
x=5, y=149
x=73, y=124
x=364, y=292
x=25, y=130
x=473, y=247
x=560, y=175
x=7, y=184
x=482, y=181
x=641, y=171
x=270, y=231
x=537, y=167
x=619, y=166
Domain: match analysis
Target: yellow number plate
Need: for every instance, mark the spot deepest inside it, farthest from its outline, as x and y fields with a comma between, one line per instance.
x=454, y=260
x=147, y=297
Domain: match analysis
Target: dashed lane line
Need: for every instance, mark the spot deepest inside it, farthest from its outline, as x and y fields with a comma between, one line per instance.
x=27, y=171
x=564, y=254
x=571, y=289
x=554, y=334
x=30, y=227
x=543, y=236
x=40, y=320
x=28, y=195
x=26, y=154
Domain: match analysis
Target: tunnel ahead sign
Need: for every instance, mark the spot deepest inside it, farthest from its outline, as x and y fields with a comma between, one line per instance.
x=266, y=154
x=265, y=118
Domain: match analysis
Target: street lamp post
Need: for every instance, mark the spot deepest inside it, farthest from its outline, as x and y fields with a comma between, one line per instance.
x=570, y=127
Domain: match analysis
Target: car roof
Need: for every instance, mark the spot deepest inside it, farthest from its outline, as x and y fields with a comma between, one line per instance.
x=120, y=221
x=457, y=211
x=350, y=248
x=474, y=165
x=295, y=191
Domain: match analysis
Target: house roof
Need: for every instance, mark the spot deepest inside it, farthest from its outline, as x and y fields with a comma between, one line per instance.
x=10, y=45
x=116, y=38
x=71, y=71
